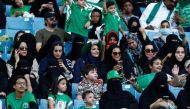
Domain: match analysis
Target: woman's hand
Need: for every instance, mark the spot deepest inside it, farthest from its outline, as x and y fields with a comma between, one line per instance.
x=61, y=64
x=16, y=55
x=159, y=102
x=117, y=67
x=175, y=70
x=3, y=94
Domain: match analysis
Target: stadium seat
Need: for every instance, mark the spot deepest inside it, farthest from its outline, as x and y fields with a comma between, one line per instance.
x=67, y=47
x=8, y=8
x=137, y=95
x=3, y=104
x=38, y=24
x=43, y=103
x=20, y=23
x=74, y=90
x=78, y=103
x=5, y=48
x=2, y=32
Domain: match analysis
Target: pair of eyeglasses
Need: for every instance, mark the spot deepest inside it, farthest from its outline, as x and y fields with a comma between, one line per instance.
x=116, y=53
x=149, y=50
x=23, y=48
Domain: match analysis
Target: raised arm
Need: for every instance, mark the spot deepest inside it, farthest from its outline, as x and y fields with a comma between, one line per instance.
x=104, y=7
x=69, y=2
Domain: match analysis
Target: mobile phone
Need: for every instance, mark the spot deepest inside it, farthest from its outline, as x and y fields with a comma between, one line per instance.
x=165, y=97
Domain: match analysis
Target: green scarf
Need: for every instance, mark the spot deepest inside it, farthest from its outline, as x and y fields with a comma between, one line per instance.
x=154, y=11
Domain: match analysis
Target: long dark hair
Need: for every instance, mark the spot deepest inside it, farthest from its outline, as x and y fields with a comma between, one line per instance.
x=54, y=88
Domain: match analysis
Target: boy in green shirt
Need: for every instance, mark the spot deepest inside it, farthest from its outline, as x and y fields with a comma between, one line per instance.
x=21, y=99
x=111, y=18
x=182, y=13
x=88, y=97
x=79, y=21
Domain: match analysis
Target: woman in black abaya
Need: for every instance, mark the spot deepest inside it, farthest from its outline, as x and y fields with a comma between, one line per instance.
x=157, y=95
x=183, y=99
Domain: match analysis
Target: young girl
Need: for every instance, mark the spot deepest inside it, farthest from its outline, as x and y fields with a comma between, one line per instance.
x=57, y=99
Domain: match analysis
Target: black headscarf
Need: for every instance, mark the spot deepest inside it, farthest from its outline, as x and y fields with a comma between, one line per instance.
x=136, y=28
x=77, y=44
x=172, y=61
x=169, y=46
x=109, y=60
x=91, y=33
x=53, y=66
x=116, y=98
x=183, y=99
x=16, y=35
x=25, y=62
x=155, y=91
x=31, y=43
x=45, y=49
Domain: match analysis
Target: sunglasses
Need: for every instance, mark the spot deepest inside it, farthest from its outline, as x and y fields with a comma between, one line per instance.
x=116, y=53
x=23, y=48
x=149, y=50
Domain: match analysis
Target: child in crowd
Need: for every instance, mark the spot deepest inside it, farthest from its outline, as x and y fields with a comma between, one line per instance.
x=88, y=97
x=90, y=82
x=127, y=11
x=79, y=21
x=57, y=99
x=18, y=8
x=111, y=18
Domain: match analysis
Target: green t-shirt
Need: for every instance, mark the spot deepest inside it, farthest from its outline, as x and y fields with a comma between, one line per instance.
x=184, y=12
x=61, y=101
x=21, y=10
x=111, y=22
x=78, y=19
x=22, y=103
x=144, y=80
x=84, y=107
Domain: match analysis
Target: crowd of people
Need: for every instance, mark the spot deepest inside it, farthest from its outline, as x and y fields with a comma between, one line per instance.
x=110, y=46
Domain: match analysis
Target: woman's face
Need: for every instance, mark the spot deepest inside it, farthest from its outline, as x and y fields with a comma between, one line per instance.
x=57, y=51
x=23, y=49
x=95, y=51
x=149, y=51
x=112, y=40
x=128, y=7
x=95, y=17
x=156, y=66
x=180, y=54
x=116, y=54
x=165, y=25
x=132, y=44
